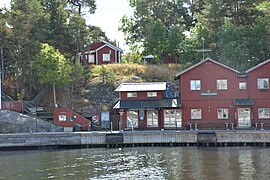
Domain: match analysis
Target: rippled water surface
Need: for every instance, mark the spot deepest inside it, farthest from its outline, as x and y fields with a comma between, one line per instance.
x=138, y=163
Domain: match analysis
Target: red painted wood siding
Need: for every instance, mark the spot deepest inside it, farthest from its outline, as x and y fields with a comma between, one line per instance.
x=208, y=73
x=98, y=56
x=142, y=95
x=13, y=106
x=68, y=123
x=261, y=97
x=107, y=50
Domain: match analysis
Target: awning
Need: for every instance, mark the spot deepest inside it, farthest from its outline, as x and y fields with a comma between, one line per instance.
x=144, y=104
x=243, y=102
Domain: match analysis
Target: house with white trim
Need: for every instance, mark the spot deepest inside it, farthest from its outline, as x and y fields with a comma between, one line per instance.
x=101, y=52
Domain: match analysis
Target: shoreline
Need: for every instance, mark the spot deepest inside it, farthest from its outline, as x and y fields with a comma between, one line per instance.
x=117, y=139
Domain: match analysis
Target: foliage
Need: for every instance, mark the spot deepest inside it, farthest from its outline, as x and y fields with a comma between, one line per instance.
x=155, y=41
x=31, y=22
x=154, y=23
x=104, y=73
x=197, y=24
x=51, y=66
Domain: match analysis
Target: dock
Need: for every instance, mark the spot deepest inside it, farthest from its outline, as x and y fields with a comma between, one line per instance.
x=113, y=139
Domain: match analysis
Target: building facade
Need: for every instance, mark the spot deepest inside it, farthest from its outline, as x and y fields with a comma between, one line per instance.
x=101, y=53
x=148, y=106
x=213, y=95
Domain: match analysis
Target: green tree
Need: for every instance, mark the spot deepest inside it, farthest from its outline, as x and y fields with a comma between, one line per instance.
x=52, y=67
x=155, y=40
x=26, y=23
x=161, y=16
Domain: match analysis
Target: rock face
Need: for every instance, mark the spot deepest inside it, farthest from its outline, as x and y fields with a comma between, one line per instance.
x=14, y=122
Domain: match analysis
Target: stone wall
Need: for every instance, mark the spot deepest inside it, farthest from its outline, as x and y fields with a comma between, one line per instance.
x=14, y=122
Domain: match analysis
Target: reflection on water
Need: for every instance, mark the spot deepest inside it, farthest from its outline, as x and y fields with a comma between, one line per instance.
x=138, y=163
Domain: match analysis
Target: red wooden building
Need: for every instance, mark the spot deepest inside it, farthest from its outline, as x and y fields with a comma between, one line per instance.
x=213, y=94
x=69, y=119
x=102, y=53
x=147, y=106
x=258, y=90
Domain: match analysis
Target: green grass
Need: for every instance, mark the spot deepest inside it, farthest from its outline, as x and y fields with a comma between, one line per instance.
x=125, y=72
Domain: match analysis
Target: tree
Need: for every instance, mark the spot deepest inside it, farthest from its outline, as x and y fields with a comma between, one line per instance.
x=52, y=67
x=161, y=16
x=26, y=24
x=155, y=40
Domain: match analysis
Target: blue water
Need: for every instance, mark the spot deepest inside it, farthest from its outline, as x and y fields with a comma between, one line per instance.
x=138, y=163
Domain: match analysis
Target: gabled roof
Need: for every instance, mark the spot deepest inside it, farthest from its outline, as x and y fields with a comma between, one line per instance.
x=109, y=45
x=259, y=65
x=207, y=59
x=148, y=86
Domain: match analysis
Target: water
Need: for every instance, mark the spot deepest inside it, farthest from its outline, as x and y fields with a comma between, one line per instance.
x=138, y=163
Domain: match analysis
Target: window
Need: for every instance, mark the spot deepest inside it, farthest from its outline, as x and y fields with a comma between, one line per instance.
x=152, y=118
x=106, y=57
x=62, y=117
x=264, y=113
x=172, y=118
x=132, y=119
x=242, y=85
x=195, y=84
x=222, y=84
x=151, y=94
x=196, y=114
x=91, y=58
x=222, y=113
x=263, y=83
x=132, y=94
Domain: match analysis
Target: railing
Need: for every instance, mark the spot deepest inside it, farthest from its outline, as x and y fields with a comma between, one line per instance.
x=40, y=95
x=226, y=126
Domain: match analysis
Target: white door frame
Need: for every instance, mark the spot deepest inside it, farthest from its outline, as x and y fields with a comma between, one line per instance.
x=244, y=117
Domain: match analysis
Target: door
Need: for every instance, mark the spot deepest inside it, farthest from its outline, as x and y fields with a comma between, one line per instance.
x=244, y=117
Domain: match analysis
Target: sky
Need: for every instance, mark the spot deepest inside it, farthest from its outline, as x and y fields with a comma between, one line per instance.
x=107, y=17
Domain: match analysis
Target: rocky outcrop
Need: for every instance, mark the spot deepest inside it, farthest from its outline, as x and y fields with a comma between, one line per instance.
x=14, y=122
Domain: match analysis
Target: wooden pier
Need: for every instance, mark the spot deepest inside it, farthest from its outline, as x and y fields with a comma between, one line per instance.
x=133, y=138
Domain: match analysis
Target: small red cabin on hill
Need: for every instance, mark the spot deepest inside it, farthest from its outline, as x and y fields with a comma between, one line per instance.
x=102, y=53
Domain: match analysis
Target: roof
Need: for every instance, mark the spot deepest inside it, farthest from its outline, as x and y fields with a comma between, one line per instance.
x=143, y=104
x=109, y=45
x=243, y=102
x=150, y=56
x=207, y=59
x=147, y=86
x=259, y=65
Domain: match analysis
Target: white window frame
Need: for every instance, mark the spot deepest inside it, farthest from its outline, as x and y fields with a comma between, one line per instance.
x=172, y=117
x=264, y=113
x=263, y=83
x=222, y=84
x=151, y=94
x=152, y=118
x=223, y=113
x=195, y=85
x=62, y=117
x=106, y=57
x=242, y=85
x=91, y=58
x=131, y=94
x=196, y=113
x=132, y=119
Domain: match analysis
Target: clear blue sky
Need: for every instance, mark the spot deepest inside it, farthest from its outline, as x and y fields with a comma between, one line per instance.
x=107, y=16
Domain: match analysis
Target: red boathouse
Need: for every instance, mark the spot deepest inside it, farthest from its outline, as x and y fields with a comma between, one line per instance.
x=213, y=94
x=149, y=105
